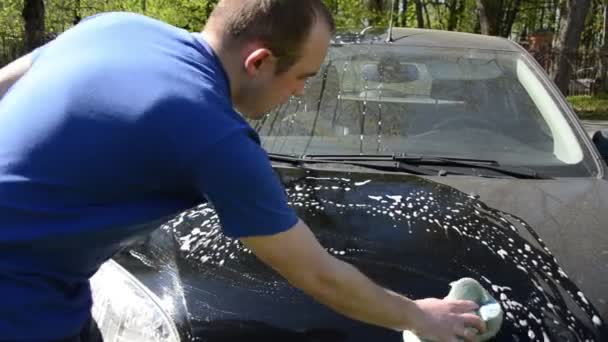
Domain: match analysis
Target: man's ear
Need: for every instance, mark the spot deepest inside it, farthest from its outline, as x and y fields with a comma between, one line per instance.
x=256, y=60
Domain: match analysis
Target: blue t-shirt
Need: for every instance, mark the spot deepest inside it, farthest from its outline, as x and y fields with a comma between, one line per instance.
x=121, y=120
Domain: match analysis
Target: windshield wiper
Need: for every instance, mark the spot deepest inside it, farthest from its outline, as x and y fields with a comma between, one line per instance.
x=395, y=157
x=406, y=161
x=484, y=164
x=382, y=164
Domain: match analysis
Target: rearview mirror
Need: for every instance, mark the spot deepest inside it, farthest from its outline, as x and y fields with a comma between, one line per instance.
x=389, y=72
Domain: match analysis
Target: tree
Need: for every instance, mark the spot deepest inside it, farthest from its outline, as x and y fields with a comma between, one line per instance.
x=456, y=9
x=489, y=16
x=536, y=15
x=572, y=21
x=403, y=12
x=376, y=8
x=428, y=17
x=33, y=17
x=592, y=30
x=601, y=80
x=375, y=5
x=419, y=16
x=496, y=18
x=510, y=16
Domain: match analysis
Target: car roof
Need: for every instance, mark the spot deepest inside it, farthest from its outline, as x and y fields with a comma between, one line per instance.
x=426, y=37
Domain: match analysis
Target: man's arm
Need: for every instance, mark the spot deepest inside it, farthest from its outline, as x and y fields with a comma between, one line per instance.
x=297, y=255
x=11, y=73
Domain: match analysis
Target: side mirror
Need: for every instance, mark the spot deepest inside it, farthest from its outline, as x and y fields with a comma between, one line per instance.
x=600, y=139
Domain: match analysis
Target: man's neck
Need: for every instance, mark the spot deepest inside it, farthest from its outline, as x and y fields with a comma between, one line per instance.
x=228, y=58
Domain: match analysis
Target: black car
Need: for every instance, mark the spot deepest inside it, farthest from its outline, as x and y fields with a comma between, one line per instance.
x=420, y=158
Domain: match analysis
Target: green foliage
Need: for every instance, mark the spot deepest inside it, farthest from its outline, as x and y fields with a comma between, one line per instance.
x=62, y=14
x=469, y=20
x=192, y=14
x=590, y=107
x=11, y=30
x=355, y=14
x=10, y=18
x=187, y=14
x=593, y=25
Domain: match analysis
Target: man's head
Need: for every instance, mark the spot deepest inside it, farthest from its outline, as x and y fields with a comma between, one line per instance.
x=269, y=48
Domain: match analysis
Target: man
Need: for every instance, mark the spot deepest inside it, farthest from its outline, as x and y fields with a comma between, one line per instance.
x=123, y=120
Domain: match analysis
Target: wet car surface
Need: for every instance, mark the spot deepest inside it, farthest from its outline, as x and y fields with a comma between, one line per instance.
x=410, y=234
x=529, y=224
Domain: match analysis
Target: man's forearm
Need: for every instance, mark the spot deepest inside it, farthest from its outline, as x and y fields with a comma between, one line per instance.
x=299, y=257
x=11, y=73
x=346, y=290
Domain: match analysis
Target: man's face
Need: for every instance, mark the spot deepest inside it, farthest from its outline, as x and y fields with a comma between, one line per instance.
x=269, y=89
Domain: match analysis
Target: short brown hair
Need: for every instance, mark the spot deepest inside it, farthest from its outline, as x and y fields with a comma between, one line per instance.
x=282, y=25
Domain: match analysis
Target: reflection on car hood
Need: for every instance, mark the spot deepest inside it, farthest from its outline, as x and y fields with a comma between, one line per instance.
x=410, y=234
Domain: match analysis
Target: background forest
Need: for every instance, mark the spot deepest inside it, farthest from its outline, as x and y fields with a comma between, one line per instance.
x=568, y=37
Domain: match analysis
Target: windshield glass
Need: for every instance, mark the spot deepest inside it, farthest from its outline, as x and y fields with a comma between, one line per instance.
x=461, y=103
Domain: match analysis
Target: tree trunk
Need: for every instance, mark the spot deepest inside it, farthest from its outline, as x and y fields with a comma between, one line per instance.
x=557, y=4
x=428, y=17
x=77, y=16
x=453, y=16
x=489, y=16
x=439, y=15
x=510, y=19
x=456, y=8
x=601, y=81
x=396, y=12
x=460, y=10
x=542, y=17
x=572, y=21
x=404, y=14
x=33, y=17
x=375, y=5
x=419, y=16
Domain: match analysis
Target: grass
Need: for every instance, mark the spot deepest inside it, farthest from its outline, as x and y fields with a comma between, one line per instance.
x=590, y=107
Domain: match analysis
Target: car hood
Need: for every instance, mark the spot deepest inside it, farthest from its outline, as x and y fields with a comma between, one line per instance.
x=540, y=247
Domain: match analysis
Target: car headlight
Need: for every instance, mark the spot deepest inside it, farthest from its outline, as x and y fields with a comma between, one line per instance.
x=125, y=310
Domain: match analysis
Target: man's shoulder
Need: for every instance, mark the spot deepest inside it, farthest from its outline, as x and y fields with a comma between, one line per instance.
x=112, y=33
x=108, y=19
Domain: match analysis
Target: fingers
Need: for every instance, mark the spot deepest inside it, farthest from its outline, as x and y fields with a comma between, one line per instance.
x=475, y=322
x=470, y=320
x=452, y=320
x=468, y=334
x=465, y=305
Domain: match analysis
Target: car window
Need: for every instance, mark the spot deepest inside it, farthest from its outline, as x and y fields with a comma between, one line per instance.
x=459, y=103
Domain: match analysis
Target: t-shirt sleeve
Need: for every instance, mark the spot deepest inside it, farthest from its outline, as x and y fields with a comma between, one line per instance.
x=236, y=176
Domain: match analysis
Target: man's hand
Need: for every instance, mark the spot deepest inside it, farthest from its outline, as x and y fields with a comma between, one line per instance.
x=299, y=257
x=447, y=320
x=11, y=73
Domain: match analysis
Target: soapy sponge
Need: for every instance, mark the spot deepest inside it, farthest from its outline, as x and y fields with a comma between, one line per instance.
x=489, y=309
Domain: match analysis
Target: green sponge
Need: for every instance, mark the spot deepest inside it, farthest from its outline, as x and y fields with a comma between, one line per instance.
x=489, y=309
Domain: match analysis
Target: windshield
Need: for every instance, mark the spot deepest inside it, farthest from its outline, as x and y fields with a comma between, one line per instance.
x=461, y=103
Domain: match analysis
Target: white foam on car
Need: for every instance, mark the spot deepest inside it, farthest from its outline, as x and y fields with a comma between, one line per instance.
x=428, y=211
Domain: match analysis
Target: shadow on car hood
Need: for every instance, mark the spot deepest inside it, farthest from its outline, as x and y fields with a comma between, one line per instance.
x=410, y=234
